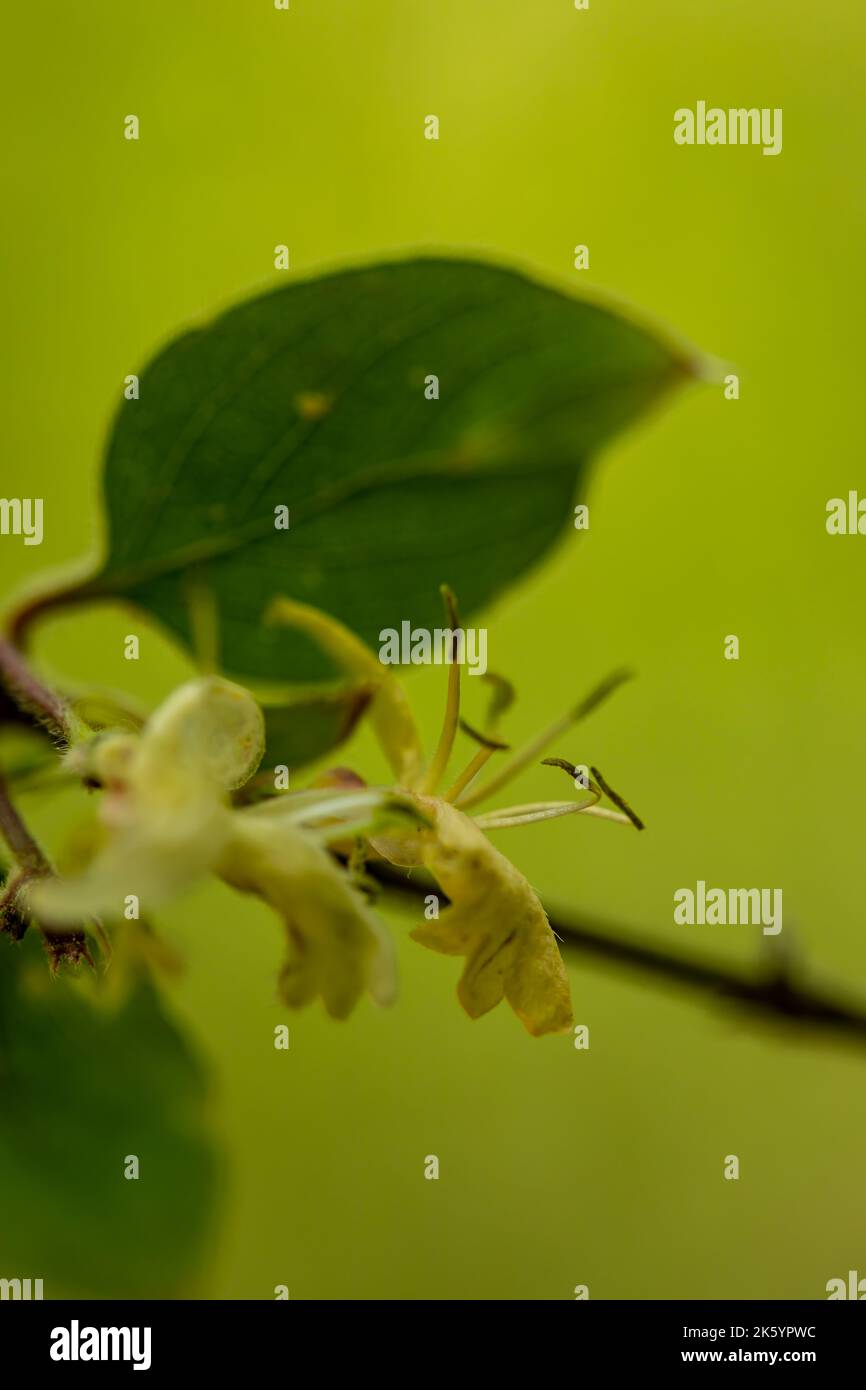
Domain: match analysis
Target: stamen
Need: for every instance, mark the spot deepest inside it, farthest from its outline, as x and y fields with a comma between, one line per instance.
x=452, y=706
x=488, y=747
x=545, y=810
x=531, y=750
x=494, y=744
x=574, y=772
x=529, y=812
x=600, y=786
x=617, y=799
x=502, y=699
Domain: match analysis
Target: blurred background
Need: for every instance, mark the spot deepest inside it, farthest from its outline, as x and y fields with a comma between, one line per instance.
x=558, y=1167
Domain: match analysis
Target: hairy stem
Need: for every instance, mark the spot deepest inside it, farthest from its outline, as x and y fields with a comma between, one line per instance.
x=70, y=946
x=27, y=854
x=32, y=696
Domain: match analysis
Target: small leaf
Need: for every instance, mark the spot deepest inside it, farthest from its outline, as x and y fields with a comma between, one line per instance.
x=82, y=1088
x=389, y=494
x=303, y=730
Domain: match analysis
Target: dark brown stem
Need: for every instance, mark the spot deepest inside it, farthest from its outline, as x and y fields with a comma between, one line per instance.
x=31, y=695
x=19, y=622
x=27, y=854
x=62, y=946
x=773, y=992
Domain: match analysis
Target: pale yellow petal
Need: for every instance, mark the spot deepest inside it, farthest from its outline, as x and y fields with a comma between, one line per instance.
x=337, y=948
x=496, y=921
x=153, y=861
x=163, y=809
x=210, y=731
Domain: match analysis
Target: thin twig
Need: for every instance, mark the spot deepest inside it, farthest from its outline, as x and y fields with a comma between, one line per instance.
x=69, y=946
x=32, y=696
x=20, y=621
x=21, y=843
x=774, y=992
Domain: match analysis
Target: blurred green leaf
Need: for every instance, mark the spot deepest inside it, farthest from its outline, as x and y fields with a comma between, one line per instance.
x=80, y=1089
x=312, y=397
x=303, y=730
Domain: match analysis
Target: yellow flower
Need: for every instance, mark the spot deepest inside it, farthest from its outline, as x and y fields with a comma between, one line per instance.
x=167, y=822
x=495, y=920
x=168, y=819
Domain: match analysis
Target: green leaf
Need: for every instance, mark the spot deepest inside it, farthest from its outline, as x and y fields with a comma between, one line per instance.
x=80, y=1089
x=303, y=730
x=312, y=397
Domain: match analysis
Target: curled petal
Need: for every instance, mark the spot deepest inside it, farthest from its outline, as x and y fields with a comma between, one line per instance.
x=208, y=731
x=496, y=921
x=154, y=859
x=337, y=947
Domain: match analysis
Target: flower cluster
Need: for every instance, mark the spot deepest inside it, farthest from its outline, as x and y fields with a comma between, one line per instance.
x=170, y=814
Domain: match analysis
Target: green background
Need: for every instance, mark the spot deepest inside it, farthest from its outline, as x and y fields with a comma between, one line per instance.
x=558, y=1167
